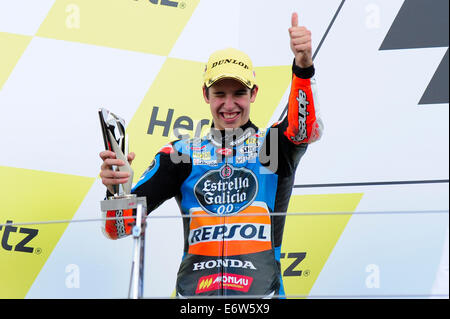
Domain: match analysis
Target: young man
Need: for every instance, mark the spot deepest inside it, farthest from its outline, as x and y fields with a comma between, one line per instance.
x=232, y=184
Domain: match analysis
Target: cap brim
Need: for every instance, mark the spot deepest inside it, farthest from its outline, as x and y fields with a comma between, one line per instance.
x=247, y=83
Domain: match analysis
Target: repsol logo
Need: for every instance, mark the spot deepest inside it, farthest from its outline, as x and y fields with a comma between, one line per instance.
x=259, y=232
x=227, y=190
x=168, y=122
x=22, y=245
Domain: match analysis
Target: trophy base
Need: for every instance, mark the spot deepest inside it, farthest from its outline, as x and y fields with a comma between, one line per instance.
x=128, y=201
x=122, y=196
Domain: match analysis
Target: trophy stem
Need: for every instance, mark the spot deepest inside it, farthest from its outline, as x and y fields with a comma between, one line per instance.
x=117, y=203
x=136, y=290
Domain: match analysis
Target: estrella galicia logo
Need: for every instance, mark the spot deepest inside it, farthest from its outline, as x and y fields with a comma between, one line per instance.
x=227, y=190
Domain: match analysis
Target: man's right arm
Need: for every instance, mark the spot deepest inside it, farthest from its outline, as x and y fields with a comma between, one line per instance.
x=164, y=176
x=161, y=181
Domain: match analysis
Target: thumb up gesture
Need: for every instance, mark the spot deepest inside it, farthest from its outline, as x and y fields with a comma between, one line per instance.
x=300, y=43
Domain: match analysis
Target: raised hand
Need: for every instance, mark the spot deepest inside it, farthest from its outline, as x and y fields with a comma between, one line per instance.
x=300, y=43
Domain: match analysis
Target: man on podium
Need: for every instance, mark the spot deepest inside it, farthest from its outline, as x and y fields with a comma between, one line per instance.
x=233, y=185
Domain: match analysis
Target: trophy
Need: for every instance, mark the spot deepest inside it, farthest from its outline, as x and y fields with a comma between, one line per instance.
x=116, y=140
x=122, y=203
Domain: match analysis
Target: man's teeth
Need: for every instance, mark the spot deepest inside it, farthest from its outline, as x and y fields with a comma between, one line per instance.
x=229, y=115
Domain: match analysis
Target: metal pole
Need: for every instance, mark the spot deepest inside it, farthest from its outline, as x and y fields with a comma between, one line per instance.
x=137, y=269
x=136, y=287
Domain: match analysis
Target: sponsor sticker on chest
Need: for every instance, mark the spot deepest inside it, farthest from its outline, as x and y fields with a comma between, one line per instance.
x=248, y=231
x=224, y=281
x=227, y=190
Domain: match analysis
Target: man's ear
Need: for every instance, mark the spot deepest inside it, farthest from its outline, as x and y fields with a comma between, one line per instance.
x=205, y=95
x=254, y=92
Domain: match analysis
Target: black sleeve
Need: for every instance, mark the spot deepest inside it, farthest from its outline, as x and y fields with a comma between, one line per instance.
x=278, y=154
x=163, y=178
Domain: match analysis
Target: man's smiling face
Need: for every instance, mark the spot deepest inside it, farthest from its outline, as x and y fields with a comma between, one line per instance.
x=230, y=102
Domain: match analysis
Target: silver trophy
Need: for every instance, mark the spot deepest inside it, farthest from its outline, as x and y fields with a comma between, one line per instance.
x=116, y=140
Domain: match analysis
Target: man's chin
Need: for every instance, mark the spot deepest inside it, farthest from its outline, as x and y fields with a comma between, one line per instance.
x=232, y=125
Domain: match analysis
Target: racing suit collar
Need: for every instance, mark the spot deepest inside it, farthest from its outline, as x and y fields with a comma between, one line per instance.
x=231, y=137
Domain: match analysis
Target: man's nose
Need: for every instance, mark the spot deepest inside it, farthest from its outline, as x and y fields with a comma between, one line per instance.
x=229, y=101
